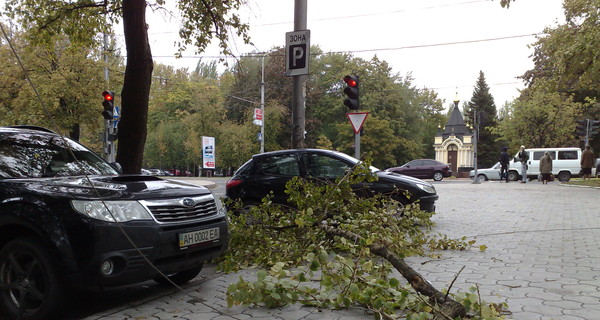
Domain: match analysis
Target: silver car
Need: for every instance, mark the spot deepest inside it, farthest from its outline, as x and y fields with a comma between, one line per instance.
x=492, y=173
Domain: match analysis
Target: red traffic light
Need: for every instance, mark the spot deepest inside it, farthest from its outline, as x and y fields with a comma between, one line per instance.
x=351, y=81
x=108, y=96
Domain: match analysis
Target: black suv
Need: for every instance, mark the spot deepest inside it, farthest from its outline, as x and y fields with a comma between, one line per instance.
x=270, y=171
x=69, y=220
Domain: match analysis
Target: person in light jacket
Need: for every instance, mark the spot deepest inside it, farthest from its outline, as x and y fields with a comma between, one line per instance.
x=523, y=157
x=546, y=167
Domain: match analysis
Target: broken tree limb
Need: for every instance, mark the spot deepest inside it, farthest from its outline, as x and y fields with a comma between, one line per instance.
x=449, y=308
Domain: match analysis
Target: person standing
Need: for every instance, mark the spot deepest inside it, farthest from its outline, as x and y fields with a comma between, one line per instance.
x=587, y=162
x=504, y=162
x=546, y=167
x=523, y=157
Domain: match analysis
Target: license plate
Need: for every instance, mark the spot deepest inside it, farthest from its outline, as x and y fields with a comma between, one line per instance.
x=197, y=237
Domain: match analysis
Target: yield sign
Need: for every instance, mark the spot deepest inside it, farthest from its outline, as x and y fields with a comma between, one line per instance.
x=357, y=120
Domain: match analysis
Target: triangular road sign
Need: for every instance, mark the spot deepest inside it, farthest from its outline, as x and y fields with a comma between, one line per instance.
x=357, y=120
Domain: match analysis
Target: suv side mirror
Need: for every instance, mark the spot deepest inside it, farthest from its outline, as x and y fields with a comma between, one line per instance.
x=117, y=166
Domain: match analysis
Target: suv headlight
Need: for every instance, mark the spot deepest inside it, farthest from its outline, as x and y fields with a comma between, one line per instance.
x=426, y=188
x=121, y=211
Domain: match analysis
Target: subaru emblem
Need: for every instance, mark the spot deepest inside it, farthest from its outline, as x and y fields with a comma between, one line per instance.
x=189, y=202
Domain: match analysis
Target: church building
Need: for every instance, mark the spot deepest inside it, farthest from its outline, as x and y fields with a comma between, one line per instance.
x=454, y=144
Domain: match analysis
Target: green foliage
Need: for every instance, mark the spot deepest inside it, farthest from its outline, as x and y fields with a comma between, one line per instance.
x=540, y=118
x=566, y=61
x=300, y=260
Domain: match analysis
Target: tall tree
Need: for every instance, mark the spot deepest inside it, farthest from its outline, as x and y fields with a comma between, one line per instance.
x=81, y=20
x=483, y=109
x=567, y=59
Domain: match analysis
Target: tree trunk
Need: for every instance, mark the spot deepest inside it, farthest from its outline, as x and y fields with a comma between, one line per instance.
x=136, y=87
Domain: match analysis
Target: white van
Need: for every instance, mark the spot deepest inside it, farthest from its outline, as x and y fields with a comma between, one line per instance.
x=566, y=163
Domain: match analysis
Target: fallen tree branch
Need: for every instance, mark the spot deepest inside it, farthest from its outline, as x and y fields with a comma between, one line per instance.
x=449, y=308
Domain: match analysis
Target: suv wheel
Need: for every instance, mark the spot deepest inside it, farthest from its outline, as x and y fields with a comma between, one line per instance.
x=180, y=278
x=29, y=285
x=438, y=176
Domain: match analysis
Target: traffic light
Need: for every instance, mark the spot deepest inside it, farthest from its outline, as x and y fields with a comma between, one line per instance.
x=351, y=91
x=108, y=104
x=581, y=128
x=594, y=126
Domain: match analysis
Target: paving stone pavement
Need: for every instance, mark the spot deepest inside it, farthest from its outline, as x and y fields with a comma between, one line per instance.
x=542, y=258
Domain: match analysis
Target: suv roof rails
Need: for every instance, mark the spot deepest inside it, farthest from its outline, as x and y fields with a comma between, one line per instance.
x=38, y=128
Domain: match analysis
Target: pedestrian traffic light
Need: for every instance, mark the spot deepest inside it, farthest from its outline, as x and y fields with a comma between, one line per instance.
x=581, y=128
x=351, y=91
x=108, y=104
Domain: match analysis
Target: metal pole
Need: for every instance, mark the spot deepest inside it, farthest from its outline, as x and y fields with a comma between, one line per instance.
x=107, y=127
x=357, y=145
x=262, y=105
x=299, y=83
x=476, y=137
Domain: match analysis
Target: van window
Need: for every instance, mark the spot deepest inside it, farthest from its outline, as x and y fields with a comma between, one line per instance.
x=567, y=155
x=537, y=155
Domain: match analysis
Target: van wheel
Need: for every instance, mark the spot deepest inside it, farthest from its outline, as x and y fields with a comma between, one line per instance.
x=438, y=176
x=564, y=176
x=29, y=284
x=513, y=176
x=179, y=278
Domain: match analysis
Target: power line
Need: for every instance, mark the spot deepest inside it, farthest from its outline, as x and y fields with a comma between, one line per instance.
x=257, y=55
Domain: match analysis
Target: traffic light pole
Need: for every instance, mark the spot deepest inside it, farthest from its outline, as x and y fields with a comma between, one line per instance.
x=299, y=84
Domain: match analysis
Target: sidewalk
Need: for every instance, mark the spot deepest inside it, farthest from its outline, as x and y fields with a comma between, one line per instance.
x=542, y=258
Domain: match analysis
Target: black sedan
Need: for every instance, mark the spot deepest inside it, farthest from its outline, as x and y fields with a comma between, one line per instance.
x=424, y=169
x=270, y=171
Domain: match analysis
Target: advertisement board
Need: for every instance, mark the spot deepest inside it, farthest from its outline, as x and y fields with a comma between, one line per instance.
x=208, y=152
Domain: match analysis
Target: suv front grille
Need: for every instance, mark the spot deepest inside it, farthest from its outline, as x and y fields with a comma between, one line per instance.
x=181, y=209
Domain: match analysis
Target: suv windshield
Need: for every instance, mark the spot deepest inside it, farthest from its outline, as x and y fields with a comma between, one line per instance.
x=33, y=155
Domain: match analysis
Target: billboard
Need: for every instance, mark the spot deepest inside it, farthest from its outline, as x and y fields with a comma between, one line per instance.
x=208, y=152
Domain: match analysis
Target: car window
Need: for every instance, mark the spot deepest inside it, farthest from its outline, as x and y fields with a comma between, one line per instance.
x=280, y=165
x=429, y=162
x=567, y=155
x=323, y=166
x=414, y=163
x=244, y=169
x=38, y=155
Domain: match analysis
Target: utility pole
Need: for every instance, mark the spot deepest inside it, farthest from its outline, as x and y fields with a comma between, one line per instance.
x=262, y=105
x=299, y=84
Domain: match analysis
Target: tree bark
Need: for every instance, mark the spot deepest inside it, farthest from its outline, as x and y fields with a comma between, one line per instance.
x=136, y=87
x=449, y=308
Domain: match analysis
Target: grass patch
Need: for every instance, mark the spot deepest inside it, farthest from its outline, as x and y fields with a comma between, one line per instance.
x=594, y=182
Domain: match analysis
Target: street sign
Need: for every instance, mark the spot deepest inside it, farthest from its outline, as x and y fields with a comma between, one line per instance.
x=116, y=112
x=258, y=117
x=357, y=120
x=297, y=52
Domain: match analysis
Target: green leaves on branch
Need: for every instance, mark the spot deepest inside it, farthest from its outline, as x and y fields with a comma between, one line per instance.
x=332, y=249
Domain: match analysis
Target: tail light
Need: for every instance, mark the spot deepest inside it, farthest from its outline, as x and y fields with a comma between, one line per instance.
x=232, y=183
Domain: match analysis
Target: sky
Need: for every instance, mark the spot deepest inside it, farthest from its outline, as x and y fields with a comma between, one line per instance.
x=442, y=44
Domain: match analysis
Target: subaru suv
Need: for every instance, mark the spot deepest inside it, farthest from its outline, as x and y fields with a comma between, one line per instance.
x=69, y=220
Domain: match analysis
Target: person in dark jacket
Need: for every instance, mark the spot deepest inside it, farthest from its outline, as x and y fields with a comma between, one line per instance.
x=546, y=167
x=587, y=162
x=504, y=162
